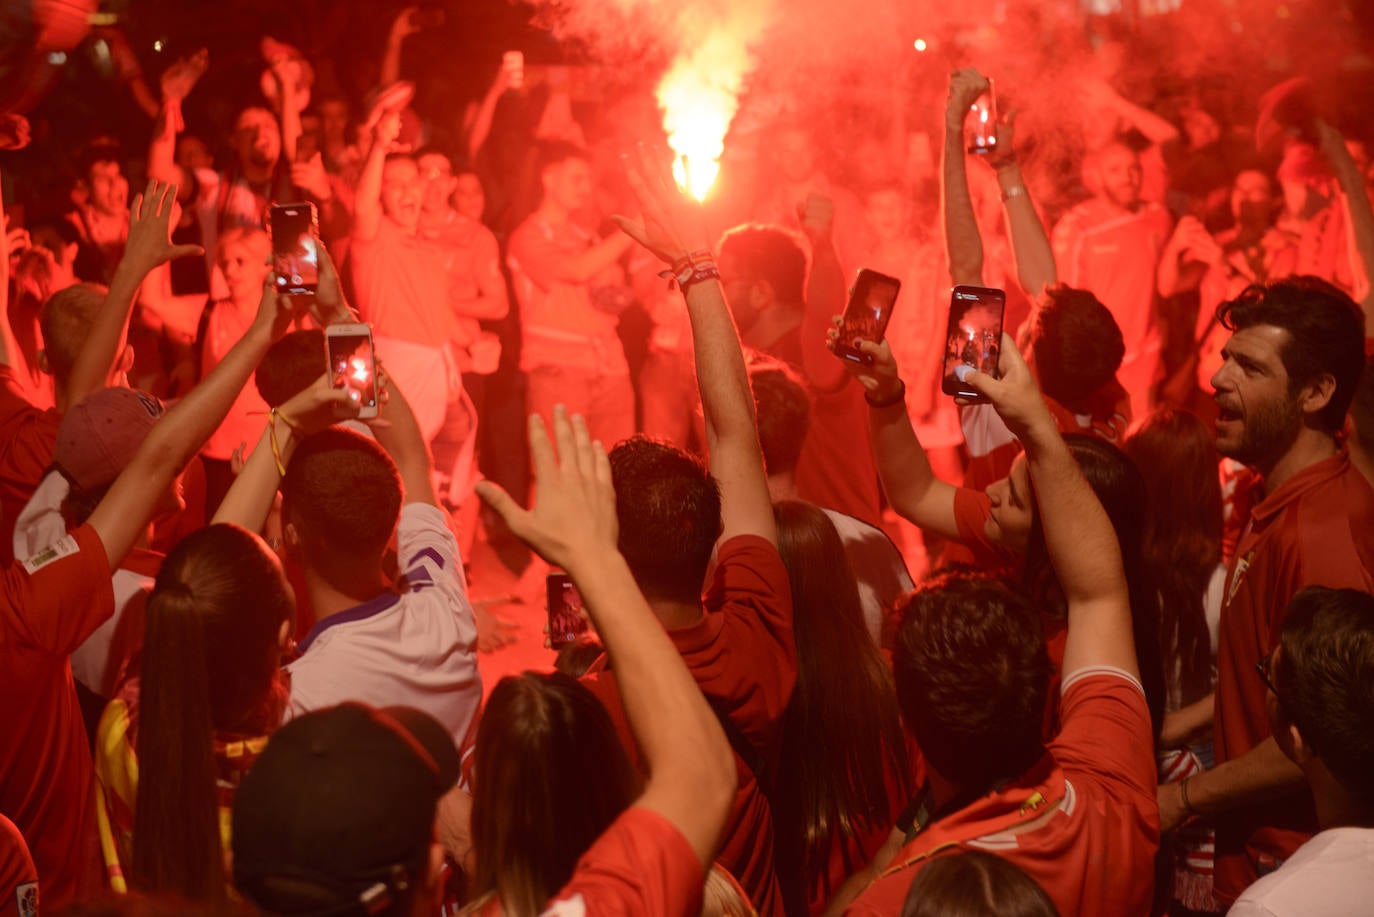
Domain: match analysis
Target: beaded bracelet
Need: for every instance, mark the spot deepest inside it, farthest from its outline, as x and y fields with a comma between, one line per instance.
x=690, y=269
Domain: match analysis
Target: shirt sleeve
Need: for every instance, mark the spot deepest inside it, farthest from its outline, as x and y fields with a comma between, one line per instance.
x=640, y=865
x=427, y=551
x=27, y=434
x=56, y=598
x=1106, y=731
x=18, y=875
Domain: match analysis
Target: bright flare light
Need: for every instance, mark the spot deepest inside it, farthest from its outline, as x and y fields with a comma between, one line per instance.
x=699, y=97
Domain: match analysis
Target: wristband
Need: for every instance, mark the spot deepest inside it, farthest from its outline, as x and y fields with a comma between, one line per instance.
x=1183, y=790
x=690, y=269
x=890, y=400
x=272, y=417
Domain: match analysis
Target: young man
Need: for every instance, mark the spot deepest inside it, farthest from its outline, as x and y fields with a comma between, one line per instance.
x=652, y=860
x=1111, y=244
x=54, y=600
x=736, y=641
x=1290, y=372
x=1319, y=685
x=103, y=220
x=402, y=279
x=972, y=671
x=571, y=353
x=784, y=313
x=344, y=496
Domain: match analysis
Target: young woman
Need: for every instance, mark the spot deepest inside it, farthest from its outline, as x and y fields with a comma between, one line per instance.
x=549, y=776
x=208, y=693
x=846, y=773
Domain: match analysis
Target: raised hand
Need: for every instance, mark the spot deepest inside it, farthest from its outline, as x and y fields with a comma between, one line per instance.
x=179, y=79
x=276, y=311
x=330, y=306
x=405, y=23
x=1015, y=396
x=879, y=377
x=672, y=224
x=573, y=519
x=151, y=218
x=318, y=406
x=965, y=86
x=311, y=178
x=817, y=215
x=14, y=131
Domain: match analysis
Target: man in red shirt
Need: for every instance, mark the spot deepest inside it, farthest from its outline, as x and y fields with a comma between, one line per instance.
x=972, y=672
x=1291, y=368
x=736, y=641
x=51, y=602
x=570, y=352
x=1111, y=244
x=401, y=277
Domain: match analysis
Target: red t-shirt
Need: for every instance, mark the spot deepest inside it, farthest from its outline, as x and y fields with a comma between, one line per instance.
x=18, y=876
x=51, y=603
x=640, y=865
x=743, y=656
x=27, y=439
x=402, y=285
x=1316, y=529
x=1094, y=853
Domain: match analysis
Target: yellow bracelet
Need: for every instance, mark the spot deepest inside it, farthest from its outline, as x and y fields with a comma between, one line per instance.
x=272, y=416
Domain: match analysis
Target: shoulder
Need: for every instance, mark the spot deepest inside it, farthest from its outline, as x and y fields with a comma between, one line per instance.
x=1106, y=734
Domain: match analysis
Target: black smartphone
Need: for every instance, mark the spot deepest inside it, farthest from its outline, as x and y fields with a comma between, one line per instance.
x=973, y=339
x=983, y=120
x=295, y=247
x=567, y=621
x=866, y=315
x=352, y=364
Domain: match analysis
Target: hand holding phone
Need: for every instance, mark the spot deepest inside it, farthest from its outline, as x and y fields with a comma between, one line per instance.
x=973, y=338
x=295, y=230
x=352, y=365
x=983, y=118
x=866, y=315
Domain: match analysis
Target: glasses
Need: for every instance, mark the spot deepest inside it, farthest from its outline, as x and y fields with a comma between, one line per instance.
x=1266, y=673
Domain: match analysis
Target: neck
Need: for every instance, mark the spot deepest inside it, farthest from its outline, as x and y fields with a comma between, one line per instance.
x=1312, y=446
x=550, y=212
x=1336, y=807
x=257, y=174
x=782, y=486
x=673, y=614
x=329, y=598
x=772, y=323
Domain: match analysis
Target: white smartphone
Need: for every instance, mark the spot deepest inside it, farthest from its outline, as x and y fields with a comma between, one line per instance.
x=352, y=365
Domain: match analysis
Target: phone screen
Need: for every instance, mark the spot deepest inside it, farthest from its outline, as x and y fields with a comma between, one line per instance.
x=867, y=314
x=973, y=338
x=567, y=621
x=295, y=250
x=983, y=123
x=352, y=366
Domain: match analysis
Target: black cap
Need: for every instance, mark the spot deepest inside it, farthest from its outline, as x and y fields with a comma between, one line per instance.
x=337, y=815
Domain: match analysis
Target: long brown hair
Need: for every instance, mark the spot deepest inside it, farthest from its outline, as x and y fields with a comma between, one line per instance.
x=549, y=776
x=1177, y=457
x=209, y=664
x=973, y=883
x=842, y=732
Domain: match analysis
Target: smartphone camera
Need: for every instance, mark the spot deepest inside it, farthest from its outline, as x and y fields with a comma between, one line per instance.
x=567, y=621
x=973, y=339
x=866, y=314
x=352, y=365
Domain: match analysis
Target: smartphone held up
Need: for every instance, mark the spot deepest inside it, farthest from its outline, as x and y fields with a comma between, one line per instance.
x=567, y=620
x=982, y=122
x=352, y=365
x=866, y=315
x=973, y=339
x=295, y=233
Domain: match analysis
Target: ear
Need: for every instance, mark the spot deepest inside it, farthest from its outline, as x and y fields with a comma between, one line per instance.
x=291, y=537
x=284, y=634
x=1317, y=394
x=761, y=295
x=1302, y=752
x=126, y=360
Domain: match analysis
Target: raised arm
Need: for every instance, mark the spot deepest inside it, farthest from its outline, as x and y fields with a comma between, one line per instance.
x=1030, y=243
x=672, y=228
x=367, y=205
x=479, y=126
x=1078, y=534
x=1156, y=129
x=124, y=512
x=400, y=436
x=962, y=242
x=177, y=82
x=1358, y=209
x=573, y=525
x=151, y=217
x=912, y=488
x=826, y=292
x=402, y=27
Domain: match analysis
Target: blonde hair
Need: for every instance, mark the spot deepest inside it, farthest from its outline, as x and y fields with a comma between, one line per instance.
x=722, y=896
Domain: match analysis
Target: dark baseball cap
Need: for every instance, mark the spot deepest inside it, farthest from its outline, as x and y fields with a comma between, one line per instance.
x=337, y=815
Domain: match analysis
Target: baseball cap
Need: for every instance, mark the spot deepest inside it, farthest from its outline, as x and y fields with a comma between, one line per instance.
x=97, y=439
x=338, y=812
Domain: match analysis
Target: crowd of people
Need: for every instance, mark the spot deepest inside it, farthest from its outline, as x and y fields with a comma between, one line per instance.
x=1094, y=638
